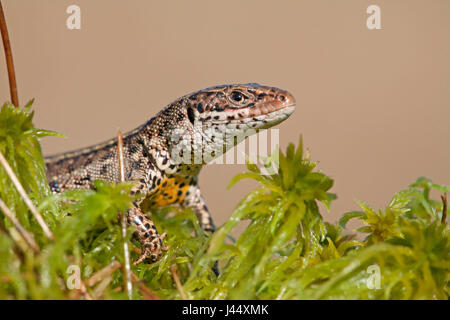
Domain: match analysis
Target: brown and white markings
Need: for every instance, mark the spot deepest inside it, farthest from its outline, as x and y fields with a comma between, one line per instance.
x=188, y=126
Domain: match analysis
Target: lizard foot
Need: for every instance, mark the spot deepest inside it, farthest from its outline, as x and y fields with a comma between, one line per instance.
x=147, y=235
x=152, y=248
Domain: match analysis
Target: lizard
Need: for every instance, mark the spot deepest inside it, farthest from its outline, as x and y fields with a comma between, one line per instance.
x=205, y=122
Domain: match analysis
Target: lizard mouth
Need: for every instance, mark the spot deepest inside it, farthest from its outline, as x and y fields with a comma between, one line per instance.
x=275, y=117
x=244, y=126
x=257, y=119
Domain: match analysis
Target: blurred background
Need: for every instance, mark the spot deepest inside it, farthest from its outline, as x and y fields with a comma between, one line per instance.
x=373, y=106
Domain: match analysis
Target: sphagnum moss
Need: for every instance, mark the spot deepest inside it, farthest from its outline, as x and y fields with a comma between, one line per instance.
x=286, y=252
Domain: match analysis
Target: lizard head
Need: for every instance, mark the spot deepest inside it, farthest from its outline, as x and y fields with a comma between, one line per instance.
x=217, y=118
x=239, y=107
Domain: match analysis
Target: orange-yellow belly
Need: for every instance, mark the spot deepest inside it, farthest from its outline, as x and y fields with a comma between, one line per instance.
x=171, y=190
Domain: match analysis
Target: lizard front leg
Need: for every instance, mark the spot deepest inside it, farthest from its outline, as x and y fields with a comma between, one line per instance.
x=195, y=200
x=147, y=235
x=145, y=229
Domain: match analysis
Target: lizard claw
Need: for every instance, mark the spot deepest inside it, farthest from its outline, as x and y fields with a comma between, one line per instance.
x=152, y=249
x=140, y=259
x=148, y=253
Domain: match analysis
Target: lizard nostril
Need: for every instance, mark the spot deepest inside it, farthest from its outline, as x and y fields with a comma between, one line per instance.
x=286, y=98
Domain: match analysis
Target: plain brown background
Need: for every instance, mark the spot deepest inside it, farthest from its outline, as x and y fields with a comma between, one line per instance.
x=373, y=106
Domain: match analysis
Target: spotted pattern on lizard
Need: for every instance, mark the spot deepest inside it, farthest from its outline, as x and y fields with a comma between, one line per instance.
x=198, y=123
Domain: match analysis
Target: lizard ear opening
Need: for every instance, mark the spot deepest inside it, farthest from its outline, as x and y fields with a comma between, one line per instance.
x=191, y=115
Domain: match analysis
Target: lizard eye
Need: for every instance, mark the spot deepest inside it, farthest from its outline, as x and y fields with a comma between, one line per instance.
x=191, y=115
x=236, y=96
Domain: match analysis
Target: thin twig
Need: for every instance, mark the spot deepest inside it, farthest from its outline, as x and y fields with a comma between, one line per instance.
x=100, y=289
x=174, y=271
x=107, y=271
x=18, y=251
x=9, y=59
x=123, y=223
x=120, y=157
x=25, y=197
x=84, y=291
x=146, y=292
x=444, y=208
x=102, y=273
x=27, y=237
x=117, y=289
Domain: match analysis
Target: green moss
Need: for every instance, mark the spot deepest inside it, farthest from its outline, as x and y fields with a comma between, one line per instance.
x=286, y=252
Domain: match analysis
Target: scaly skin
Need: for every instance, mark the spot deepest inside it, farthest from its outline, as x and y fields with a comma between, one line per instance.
x=153, y=152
